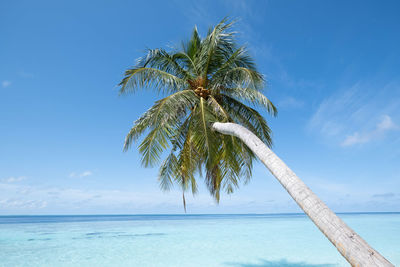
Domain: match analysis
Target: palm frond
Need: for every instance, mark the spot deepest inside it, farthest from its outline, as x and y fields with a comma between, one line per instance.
x=219, y=111
x=249, y=117
x=192, y=47
x=238, y=58
x=242, y=77
x=168, y=170
x=152, y=78
x=162, y=120
x=217, y=46
x=253, y=96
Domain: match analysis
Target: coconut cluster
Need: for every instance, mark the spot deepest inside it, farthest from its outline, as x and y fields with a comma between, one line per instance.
x=202, y=92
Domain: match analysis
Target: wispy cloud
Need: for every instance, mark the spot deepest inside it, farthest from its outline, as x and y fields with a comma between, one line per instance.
x=86, y=173
x=358, y=114
x=81, y=200
x=13, y=179
x=25, y=74
x=249, y=16
x=5, y=83
x=354, y=194
x=15, y=203
x=82, y=174
x=22, y=198
x=385, y=125
x=290, y=103
x=196, y=13
x=385, y=195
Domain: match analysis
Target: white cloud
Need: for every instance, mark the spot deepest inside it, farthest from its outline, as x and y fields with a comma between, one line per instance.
x=29, y=199
x=357, y=114
x=74, y=200
x=5, y=83
x=386, y=124
x=13, y=179
x=22, y=204
x=86, y=173
x=82, y=174
x=327, y=120
x=356, y=138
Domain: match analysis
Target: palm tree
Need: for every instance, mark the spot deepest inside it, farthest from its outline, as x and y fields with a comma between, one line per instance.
x=207, y=131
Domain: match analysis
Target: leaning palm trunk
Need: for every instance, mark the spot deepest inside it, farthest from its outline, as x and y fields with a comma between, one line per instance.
x=356, y=251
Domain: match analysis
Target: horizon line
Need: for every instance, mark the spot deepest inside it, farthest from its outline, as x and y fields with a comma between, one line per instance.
x=193, y=214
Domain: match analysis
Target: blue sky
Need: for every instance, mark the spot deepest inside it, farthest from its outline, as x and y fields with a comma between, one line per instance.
x=332, y=69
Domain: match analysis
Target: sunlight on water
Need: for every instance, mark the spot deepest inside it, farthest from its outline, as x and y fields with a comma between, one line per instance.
x=194, y=240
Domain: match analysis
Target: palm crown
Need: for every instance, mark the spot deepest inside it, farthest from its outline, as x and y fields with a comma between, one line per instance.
x=204, y=81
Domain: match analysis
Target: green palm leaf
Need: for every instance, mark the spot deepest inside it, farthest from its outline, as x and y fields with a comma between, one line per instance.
x=155, y=79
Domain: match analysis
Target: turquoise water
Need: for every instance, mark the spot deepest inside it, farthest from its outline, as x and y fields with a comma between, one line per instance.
x=289, y=240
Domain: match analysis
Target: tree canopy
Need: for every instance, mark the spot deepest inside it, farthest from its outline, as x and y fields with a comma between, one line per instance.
x=205, y=80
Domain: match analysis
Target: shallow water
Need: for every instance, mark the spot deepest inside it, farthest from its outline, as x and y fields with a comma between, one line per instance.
x=289, y=240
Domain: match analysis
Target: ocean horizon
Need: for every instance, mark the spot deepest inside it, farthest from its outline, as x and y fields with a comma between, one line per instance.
x=35, y=218
x=244, y=240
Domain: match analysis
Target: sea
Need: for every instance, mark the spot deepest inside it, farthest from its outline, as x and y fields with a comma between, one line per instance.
x=246, y=240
